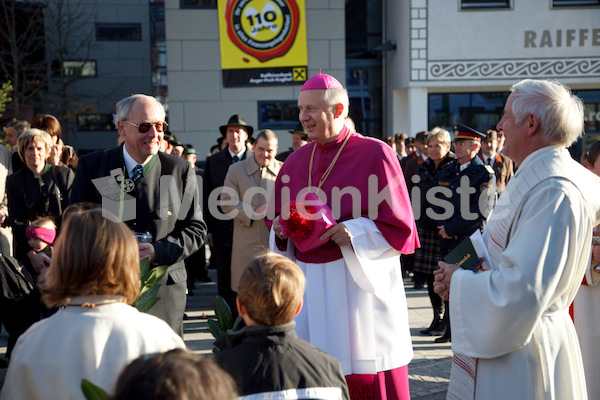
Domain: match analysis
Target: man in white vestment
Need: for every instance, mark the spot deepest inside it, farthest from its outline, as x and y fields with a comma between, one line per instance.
x=354, y=304
x=511, y=332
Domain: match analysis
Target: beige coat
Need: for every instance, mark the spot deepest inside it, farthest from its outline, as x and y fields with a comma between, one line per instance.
x=247, y=187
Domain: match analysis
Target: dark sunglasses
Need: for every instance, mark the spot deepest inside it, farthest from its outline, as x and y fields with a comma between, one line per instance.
x=145, y=127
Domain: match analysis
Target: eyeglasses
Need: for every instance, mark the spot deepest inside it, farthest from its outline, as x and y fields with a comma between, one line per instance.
x=144, y=127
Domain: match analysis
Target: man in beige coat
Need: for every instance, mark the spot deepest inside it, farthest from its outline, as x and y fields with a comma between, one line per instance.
x=246, y=190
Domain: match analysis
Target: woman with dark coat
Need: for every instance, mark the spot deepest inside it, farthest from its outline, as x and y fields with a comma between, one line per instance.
x=36, y=190
x=39, y=189
x=427, y=257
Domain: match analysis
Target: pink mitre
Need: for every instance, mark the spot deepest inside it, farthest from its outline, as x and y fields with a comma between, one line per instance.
x=320, y=82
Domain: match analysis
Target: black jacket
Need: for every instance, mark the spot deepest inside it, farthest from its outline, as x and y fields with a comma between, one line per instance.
x=428, y=173
x=274, y=359
x=30, y=198
x=176, y=233
x=464, y=222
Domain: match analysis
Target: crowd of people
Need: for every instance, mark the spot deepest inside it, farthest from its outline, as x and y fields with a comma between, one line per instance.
x=311, y=247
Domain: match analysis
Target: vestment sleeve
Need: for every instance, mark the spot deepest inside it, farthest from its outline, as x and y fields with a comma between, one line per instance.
x=369, y=257
x=495, y=312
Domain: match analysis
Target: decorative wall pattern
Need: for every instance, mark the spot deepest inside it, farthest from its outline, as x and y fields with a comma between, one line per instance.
x=502, y=69
x=418, y=40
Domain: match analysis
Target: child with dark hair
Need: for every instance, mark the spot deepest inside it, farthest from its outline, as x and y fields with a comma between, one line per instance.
x=266, y=356
x=174, y=375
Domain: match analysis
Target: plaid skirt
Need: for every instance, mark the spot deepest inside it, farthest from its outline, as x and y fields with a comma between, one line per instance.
x=428, y=255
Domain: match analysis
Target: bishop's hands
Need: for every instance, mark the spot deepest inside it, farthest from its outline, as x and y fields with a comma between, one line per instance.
x=277, y=229
x=443, y=276
x=339, y=234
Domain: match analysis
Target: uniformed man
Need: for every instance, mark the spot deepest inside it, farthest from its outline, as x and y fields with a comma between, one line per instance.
x=471, y=196
x=504, y=167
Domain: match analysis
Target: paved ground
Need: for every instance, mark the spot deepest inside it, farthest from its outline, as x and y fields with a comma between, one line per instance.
x=429, y=371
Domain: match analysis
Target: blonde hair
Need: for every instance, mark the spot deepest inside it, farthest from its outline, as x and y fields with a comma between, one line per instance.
x=271, y=289
x=43, y=222
x=92, y=256
x=442, y=136
x=33, y=135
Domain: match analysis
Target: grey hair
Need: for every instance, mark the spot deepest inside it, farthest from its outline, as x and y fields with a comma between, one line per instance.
x=442, y=136
x=20, y=126
x=335, y=96
x=559, y=111
x=124, y=106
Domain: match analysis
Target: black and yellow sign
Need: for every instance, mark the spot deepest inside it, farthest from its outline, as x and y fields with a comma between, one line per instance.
x=263, y=42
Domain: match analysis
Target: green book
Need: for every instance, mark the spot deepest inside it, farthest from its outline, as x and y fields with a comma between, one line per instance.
x=470, y=254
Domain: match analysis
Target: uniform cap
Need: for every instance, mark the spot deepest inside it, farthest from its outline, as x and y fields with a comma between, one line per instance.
x=463, y=132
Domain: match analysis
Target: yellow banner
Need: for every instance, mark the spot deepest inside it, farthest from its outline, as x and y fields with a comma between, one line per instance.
x=263, y=34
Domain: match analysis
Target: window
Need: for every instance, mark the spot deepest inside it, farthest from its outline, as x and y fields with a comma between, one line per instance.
x=197, y=3
x=278, y=114
x=474, y=4
x=575, y=3
x=95, y=122
x=83, y=69
x=118, y=32
x=477, y=110
x=591, y=111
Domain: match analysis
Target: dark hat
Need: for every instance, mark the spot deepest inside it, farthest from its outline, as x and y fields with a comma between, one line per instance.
x=236, y=119
x=300, y=129
x=491, y=134
x=410, y=140
x=421, y=136
x=188, y=149
x=463, y=132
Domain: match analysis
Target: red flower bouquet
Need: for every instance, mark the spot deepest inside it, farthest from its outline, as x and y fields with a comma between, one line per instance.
x=307, y=222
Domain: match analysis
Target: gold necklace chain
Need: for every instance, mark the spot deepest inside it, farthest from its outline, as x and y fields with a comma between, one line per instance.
x=330, y=168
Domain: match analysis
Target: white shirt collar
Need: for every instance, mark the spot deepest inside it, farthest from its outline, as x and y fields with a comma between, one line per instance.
x=240, y=154
x=464, y=166
x=130, y=163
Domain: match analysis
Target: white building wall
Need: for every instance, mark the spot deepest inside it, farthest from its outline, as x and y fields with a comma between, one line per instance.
x=198, y=102
x=453, y=50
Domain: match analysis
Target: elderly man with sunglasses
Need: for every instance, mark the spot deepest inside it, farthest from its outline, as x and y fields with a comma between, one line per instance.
x=154, y=193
